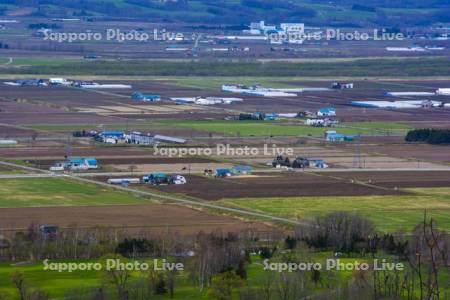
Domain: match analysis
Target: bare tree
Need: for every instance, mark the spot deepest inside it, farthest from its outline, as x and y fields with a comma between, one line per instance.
x=18, y=279
x=118, y=277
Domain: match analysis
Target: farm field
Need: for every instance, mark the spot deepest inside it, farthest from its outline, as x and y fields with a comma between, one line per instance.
x=133, y=219
x=398, y=179
x=388, y=213
x=37, y=192
x=432, y=153
x=266, y=128
x=272, y=185
x=116, y=107
x=254, y=143
x=10, y=170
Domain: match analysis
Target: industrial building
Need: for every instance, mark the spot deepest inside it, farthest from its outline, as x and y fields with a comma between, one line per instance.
x=138, y=138
x=443, y=91
x=206, y=101
x=169, y=139
x=138, y=96
x=397, y=104
x=27, y=82
x=111, y=137
x=59, y=81
x=403, y=94
x=333, y=136
x=260, y=28
x=258, y=90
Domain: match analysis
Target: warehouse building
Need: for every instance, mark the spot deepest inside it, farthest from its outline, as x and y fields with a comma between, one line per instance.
x=111, y=137
x=139, y=138
x=138, y=96
x=333, y=136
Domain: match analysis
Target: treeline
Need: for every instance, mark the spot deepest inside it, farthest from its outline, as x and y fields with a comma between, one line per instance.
x=395, y=3
x=430, y=136
x=218, y=262
x=361, y=68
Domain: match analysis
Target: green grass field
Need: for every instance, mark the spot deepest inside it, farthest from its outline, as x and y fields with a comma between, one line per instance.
x=43, y=61
x=35, y=192
x=268, y=128
x=56, y=284
x=388, y=213
x=278, y=70
x=242, y=128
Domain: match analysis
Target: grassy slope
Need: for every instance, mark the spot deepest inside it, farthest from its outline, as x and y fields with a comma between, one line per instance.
x=389, y=213
x=59, y=192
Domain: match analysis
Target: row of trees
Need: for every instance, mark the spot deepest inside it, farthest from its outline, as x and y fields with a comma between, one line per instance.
x=217, y=263
x=431, y=136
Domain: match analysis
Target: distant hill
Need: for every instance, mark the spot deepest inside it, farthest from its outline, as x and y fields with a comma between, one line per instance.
x=344, y=13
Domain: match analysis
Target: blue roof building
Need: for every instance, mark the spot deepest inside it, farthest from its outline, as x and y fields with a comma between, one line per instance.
x=81, y=163
x=112, y=134
x=222, y=172
x=333, y=136
x=326, y=111
x=138, y=96
x=236, y=170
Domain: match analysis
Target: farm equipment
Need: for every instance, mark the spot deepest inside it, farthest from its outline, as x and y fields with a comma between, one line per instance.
x=300, y=163
x=163, y=179
x=280, y=161
x=222, y=173
x=177, y=179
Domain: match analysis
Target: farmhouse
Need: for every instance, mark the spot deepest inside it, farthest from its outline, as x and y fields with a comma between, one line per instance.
x=326, y=112
x=75, y=164
x=342, y=85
